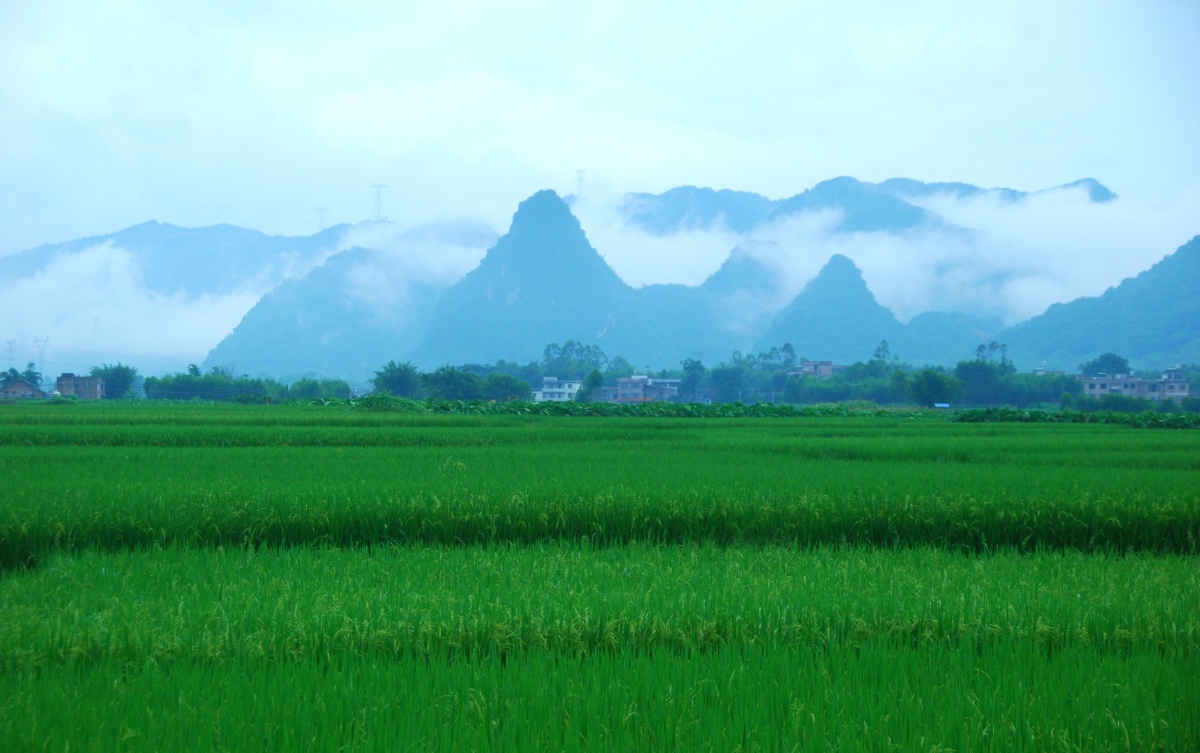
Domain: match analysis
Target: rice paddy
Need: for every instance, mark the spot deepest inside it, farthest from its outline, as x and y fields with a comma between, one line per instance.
x=308, y=578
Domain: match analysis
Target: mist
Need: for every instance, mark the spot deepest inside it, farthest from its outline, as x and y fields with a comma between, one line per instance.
x=1010, y=260
x=93, y=307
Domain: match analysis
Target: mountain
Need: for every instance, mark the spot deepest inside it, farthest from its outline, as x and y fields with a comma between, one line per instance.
x=541, y=283
x=834, y=318
x=940, y=337
x=689, y=207
x=907, y=188
x=357, y=311
x=865, y=207
x=1152, y=319
x=194, y=261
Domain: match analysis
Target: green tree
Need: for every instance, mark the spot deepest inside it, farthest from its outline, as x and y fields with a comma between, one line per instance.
x=118, y=379
x=1109, y=363
x=693, y=372
x=501, y=387
x=10, y=376
x=452, y=384
x=400, y=379
x=898, y=389
x=931, y=386
x=594, y=381
x=727, y=382
x=32, y=375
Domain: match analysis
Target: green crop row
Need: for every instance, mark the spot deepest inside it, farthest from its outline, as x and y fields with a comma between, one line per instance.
x=179, y=476
x=575, y=648
x=873, y=698
x=246, y=605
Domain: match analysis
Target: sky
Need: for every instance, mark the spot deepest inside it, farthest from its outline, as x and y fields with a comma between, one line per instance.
x=280, y=115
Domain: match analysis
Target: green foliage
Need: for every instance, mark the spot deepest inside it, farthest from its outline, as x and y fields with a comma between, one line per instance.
x=572, y=360
x=930, y=386
x=450, y=383
x=1109, y=363
x=310, y=389
x=118, y=379
x=594, y=381
x=402, y=379
x=502, y=387
x=727, y=381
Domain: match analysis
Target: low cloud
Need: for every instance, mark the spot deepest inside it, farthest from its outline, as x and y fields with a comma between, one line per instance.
x=1011, y=260
x=94, y=302
x=433, y=255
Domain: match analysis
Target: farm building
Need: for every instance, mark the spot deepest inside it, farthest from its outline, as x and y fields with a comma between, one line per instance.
x=1172, y=386
x=19, y=389
x=82, y=387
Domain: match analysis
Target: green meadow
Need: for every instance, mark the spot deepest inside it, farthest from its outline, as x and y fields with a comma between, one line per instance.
x=204, y=577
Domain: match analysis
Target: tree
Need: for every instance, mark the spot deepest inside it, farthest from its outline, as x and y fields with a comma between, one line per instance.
x=10, y=376
x=400, y=379
x=898, y=389
x=693, y=372
x=1109, y=363
x=452, y=384
x=594, y=381
x=118, y=379
x=32, y=375
x=501, y=387
x=727, y=383
x=931, y=386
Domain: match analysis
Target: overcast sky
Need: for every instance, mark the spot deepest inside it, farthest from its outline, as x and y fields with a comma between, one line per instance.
x=258, y=113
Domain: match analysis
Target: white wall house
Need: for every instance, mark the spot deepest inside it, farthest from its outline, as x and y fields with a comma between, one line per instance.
x=557, y=390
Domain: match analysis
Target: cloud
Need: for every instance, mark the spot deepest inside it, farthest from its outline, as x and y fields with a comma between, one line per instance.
x=1010, y=260
x=433, y=255
x=94, y=302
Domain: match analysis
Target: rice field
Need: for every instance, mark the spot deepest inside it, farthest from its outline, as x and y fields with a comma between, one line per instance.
x=311, y=578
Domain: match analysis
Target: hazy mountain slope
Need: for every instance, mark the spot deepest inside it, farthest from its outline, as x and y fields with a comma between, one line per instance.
x=835, y=318
x=907, y=188
x=541, y=283
x=1152, y=319
x=359, y=310
x=865, y=207
x=314, y=324
x=195, y=261
x=689, y=207
x=938, y=337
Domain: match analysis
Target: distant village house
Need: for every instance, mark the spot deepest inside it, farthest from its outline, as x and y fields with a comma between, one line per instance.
x=82, y=387
x=557, y=390
x=1172, y=386
x=19, y=389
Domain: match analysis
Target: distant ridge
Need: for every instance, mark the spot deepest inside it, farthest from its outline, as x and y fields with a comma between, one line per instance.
x=1152, y=319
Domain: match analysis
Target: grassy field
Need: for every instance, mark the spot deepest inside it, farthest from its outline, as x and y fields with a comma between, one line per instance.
x=312, y=578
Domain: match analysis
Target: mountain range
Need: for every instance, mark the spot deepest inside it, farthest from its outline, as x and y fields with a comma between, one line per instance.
x=349, y=299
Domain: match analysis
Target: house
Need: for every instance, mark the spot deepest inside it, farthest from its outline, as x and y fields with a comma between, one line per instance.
x=644, y=389
x=818, y=369
x=1172, y=385
x=82, y=387
x=19, y=389
x=557, y=390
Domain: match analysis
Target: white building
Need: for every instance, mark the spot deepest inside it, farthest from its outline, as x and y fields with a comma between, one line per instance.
x=556, y=390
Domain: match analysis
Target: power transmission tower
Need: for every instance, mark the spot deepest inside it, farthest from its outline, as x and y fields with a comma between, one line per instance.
x=321, y=216
x=10, y=344
x=42, y=342
x=579, y=181
x=378, y=189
